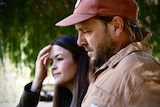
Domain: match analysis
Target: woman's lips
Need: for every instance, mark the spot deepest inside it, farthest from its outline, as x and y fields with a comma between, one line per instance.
x=55, y=74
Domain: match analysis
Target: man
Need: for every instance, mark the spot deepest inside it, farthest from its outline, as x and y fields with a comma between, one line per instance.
x=127, y=74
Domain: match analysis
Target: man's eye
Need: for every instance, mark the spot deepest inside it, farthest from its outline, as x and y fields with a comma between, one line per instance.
x=86, y=31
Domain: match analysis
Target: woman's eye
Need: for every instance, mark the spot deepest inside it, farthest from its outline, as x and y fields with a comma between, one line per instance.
x=51, y=62
x=59, y=59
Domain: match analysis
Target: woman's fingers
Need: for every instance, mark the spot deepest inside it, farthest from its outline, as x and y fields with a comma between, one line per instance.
x=44, y=59
x=43, y=54
x=41, y=68
x=44, y=51
x=41, y=63
x=45, y=62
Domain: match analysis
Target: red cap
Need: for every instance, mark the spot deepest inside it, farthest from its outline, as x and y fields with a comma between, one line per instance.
x=86, y=9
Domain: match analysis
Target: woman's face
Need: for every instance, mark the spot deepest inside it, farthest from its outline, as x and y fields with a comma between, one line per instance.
x=63, y=67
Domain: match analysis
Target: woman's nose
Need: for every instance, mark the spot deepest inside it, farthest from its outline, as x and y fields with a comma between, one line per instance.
x=53, y=66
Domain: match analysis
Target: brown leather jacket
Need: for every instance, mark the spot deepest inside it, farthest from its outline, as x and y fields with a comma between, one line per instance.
x=131, y=78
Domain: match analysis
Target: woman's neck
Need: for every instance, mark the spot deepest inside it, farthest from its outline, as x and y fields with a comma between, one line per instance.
x=70, y=87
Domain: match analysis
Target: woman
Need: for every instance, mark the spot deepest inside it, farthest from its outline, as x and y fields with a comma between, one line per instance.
x=69, y=67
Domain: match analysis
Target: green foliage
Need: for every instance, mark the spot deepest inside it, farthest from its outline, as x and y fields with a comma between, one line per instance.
x=26, y=26
x=149, y=15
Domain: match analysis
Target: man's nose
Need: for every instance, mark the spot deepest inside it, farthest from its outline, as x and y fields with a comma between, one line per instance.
x=81, y=40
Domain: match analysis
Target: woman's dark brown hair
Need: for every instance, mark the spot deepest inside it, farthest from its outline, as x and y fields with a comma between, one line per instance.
x=63, y=97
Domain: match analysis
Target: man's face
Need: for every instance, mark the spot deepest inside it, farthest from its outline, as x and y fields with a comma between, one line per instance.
x=97, y=40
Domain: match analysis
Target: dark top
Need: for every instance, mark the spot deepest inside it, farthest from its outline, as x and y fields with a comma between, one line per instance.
x=28, y=98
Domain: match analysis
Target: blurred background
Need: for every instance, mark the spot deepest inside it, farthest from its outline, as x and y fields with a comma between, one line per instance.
x=26, y=26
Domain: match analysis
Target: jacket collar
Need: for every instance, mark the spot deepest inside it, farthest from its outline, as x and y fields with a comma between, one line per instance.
x=115, y=59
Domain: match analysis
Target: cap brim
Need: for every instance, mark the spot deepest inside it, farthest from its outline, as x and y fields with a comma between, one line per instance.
x=73, y=19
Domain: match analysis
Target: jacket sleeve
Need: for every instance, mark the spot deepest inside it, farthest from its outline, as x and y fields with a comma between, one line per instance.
x=28, y=98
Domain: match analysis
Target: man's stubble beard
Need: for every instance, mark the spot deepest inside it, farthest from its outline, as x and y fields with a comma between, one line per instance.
x=104, y=50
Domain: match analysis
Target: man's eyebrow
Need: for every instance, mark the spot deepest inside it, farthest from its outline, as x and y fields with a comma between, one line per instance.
x=82, y=28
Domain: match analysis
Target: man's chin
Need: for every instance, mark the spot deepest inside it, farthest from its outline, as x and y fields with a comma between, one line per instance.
x=93, y=62
x=96, y=63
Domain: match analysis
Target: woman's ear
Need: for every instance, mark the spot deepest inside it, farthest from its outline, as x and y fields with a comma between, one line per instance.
x=118, y=24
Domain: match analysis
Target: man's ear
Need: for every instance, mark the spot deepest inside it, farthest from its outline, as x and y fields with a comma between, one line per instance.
x=118, y=24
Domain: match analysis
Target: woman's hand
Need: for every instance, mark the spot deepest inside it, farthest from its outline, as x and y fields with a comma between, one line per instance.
x=41, y=68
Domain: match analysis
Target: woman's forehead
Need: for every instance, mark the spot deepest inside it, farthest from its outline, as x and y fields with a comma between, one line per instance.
x=58, y=50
